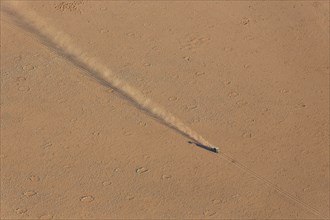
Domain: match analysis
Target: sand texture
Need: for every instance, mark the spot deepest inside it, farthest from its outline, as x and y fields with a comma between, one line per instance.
x=102, y=103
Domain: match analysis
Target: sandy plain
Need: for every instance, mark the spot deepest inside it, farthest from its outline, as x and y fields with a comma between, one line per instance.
x=250, y=77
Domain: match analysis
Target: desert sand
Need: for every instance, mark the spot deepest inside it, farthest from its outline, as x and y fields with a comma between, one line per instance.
x=250, y=77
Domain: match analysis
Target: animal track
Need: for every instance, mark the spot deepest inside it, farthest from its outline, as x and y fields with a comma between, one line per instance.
x=130, y=34
x=20, y=211
x=141, y=123
x=61, y=100
x=47, y=216
x=216, y=201
x=23, y=88
x=130, y=197
x=284, y=91
x=29, y=193
x=106, y=183
x=146, y=91
x=103, y=31
x=172, y=98
x=199, y=73
x=307, y=188
x=235, y=196
x=233, y=94
x=226, y=82
x=301, y=105
x=228, y=49
x=96, y=133
x=166, y=177
x=20, y=79
x=186, y=58
x=28, y=67
x=34, y=178
x=246, y=135
x=110, y=90
x=245, y=21
x=46, y=145
x=87, y=199
x=69, y=6
x=209, y=213
x=241, y=103
x=191, y=107
x=127, y=133
x=141, y=170
x=194, y=43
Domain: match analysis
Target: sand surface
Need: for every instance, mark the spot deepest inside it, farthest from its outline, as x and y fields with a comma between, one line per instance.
x=250, y=77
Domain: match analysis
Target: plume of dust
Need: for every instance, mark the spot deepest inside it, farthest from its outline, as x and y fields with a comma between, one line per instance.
x=60, y=43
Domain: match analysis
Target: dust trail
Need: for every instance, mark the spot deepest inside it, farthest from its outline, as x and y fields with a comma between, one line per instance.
x=63, y=46
x=60, y=43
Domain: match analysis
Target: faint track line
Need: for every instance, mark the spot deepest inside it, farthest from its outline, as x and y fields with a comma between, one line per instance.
x=272, y=185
